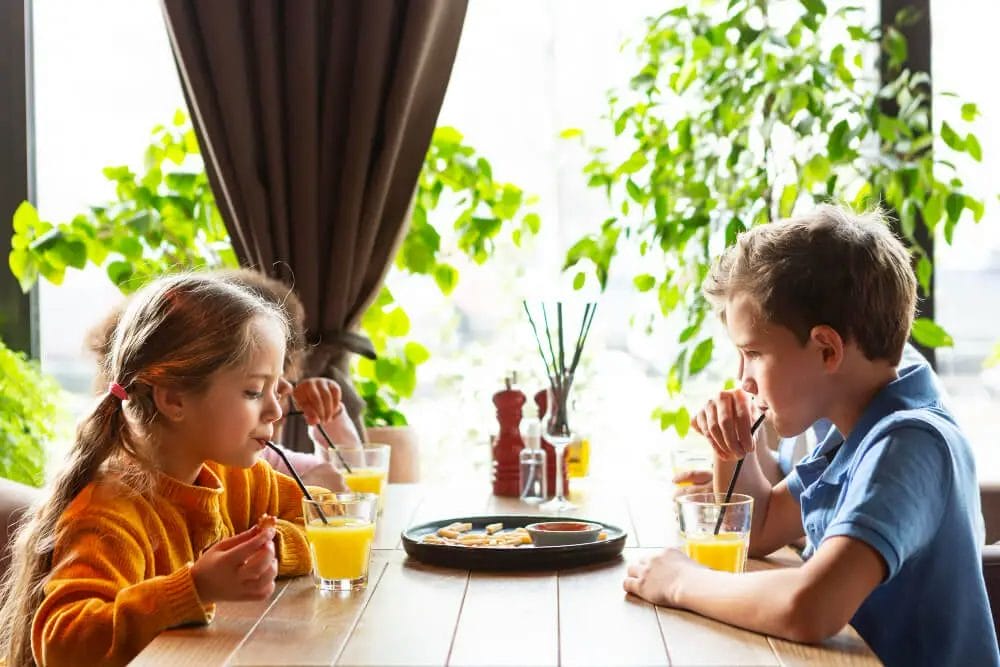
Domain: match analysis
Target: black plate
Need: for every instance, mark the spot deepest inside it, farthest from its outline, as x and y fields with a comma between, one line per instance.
x=526, y=557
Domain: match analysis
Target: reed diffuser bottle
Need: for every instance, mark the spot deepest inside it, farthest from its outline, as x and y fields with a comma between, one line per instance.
x=532, y=478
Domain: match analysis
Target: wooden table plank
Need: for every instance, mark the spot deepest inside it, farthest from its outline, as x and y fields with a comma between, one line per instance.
x=210, y=644
x=600, y=625
x=508, y=619
x=696, y=640
x=410, y=618
x=844, y=648
x=315, y=625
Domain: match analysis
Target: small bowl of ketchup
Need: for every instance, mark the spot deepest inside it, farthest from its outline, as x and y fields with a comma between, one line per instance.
x=562, y=533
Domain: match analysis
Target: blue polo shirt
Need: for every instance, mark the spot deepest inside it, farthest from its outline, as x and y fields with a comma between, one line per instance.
x=904, y=483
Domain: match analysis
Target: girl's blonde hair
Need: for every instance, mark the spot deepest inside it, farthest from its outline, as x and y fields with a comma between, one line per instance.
x=176, y=332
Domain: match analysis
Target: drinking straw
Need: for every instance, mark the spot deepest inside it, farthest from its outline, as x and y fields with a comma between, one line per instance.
x=736, y=473
x=298, y=480
x=326, y=436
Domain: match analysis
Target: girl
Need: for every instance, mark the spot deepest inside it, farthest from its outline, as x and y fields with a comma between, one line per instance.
x=153, y=520
x=318, y=398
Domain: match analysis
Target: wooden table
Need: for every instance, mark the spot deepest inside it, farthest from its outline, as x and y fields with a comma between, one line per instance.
x=414, y=614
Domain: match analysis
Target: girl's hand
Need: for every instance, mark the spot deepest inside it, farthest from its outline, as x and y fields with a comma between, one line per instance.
x=725, y=421
x=319, y=399
x=241, y=567
x=657, y=579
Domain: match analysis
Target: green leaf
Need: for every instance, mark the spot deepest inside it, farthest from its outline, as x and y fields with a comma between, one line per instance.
x=644, y=282
x=446, y=278
x=571, y=132
x=817, y=7
x=701, y=47
x=837, y=144
x=533, y=222
x=787, y=203
x=976, y=206
x=397, y=323
x=682, y=421
x=951, y=138
x=924, y=272
x=973, y=148
x=701, y=356
x=817, y=169
x=734, y=228
x=579, y=279
x=954, y=205
x=895, y=46
x=930, y=334
x=120, y=272
x=25, y=218
x=635, y=162
x=416, y=353
x=969, y=112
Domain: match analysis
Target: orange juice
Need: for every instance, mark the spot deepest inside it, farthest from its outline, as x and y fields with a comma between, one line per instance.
x=578, y=458
x=367, y=480
x=340, y=548
x=725, y=551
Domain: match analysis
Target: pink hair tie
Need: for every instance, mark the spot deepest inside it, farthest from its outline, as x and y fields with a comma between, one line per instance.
x=117, y=390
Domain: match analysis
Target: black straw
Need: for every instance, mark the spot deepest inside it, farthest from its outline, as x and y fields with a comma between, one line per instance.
x=326, y=436
x=298, y=480
x=736, y=473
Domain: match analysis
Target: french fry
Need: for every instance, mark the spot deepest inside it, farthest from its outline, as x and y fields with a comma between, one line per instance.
x=448, y=532
x=493, y=528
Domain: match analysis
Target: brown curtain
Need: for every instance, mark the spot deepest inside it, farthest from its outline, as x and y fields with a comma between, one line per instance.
x=314, y=117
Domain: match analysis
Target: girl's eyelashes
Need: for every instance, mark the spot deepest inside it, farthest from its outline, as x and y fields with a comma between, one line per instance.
x=255, y=395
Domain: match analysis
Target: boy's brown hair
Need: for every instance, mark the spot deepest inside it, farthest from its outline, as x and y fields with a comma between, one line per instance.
x=830, y=266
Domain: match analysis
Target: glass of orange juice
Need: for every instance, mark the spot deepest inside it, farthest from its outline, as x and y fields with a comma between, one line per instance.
x=369, y=469
x=340, y=528
x=688, y=457
x=714, y=532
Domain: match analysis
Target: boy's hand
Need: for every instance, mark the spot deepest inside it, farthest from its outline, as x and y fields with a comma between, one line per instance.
x=725, y=421
x=319, y=399
x=241, y=567
x=656, y=579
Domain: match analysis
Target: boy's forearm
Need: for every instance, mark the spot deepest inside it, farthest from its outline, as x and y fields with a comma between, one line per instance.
x=764, y=602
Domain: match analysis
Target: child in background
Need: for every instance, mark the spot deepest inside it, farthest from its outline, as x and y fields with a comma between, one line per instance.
x=155, y=517
x=820, y=308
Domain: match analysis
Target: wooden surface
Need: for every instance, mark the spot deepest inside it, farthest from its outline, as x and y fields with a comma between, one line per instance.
x=415, y=614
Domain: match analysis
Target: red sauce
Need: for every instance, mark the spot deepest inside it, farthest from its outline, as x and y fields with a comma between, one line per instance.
x=562, y=526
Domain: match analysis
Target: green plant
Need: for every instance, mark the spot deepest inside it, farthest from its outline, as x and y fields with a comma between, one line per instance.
x=165, y=219
x=28, y=417
x=737, y=118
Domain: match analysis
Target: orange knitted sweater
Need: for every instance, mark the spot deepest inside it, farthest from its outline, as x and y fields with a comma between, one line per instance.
x=121, y=566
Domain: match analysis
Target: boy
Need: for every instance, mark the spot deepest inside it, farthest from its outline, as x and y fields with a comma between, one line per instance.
x=820, y=308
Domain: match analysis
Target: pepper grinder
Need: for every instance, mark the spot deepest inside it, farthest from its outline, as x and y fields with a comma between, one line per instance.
x=508, y=444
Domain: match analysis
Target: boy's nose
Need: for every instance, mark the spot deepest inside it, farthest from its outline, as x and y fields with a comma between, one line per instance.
x=749, y=386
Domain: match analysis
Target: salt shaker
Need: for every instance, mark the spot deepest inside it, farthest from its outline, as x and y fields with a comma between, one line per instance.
x=532, y=457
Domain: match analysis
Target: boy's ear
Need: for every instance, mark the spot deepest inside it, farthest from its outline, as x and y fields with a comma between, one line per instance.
x=830, y=345
x=169, y=402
